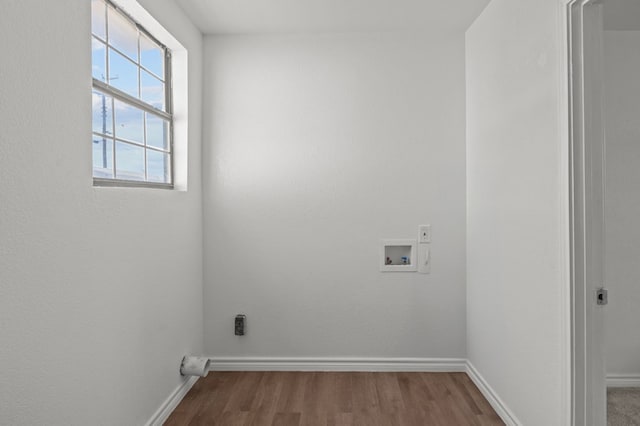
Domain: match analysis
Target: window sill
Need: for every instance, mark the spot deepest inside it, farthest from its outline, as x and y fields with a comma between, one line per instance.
x=130, y=184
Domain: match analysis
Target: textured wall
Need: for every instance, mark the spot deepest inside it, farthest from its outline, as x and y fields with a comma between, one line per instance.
x=515, y=191
x=622, y=203
x=100, y=288
x=317, y=146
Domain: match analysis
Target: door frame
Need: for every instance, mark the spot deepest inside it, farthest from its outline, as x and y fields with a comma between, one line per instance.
x=584, y=61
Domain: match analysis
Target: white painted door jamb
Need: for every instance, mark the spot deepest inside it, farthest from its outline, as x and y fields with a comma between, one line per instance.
x=586, y=174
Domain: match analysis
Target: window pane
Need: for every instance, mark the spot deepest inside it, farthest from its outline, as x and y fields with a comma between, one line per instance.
x=123, y=35
x=151, y=56
x=98, y=59
x=129, y=122
x=102, y=157
x=158, y=167
x=102, y=113
x=129, y=162
x=151, y=90
x=129, y=143
x=123, y=74
x=98, y=10
x=157, y=132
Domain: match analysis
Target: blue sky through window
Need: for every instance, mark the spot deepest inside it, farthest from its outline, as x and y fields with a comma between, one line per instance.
x=123, y=74
x=136, y=142
x=129, y=124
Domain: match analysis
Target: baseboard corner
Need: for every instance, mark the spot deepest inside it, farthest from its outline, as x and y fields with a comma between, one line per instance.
x=492, y=397
x=170, y=404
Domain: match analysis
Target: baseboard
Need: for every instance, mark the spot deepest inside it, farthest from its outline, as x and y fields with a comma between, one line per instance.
x=623, y=380
x=170, y=404
x=338, y=364
x=496, y=402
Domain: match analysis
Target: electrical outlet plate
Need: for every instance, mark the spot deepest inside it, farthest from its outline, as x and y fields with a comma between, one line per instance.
x=240, y=325
x=424, y=234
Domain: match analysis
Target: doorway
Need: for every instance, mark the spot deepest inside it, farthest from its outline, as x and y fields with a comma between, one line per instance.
x=621, y=113
x=605, y=140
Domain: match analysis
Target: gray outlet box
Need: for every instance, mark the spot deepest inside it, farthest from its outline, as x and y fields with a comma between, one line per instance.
x=240, y=324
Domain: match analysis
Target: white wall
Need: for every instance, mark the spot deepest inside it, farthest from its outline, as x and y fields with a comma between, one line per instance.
x=514, y=190
x=100, y=288
x=621, y=15
x=622, y=274
x=317, y=147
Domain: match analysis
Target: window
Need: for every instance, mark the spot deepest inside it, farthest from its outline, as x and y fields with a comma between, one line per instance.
x=132, y=116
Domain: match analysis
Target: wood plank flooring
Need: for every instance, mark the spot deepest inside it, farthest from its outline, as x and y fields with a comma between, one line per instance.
x=334, y=399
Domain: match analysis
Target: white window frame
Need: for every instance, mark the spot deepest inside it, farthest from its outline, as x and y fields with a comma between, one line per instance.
x=126, y=98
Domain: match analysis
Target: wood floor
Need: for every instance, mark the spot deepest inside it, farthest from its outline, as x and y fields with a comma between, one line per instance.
x=334, y=399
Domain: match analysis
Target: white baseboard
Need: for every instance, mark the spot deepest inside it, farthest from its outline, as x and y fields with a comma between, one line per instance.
x=623, y=380
x=338, y=364
x=170, y=404
x=496, y=402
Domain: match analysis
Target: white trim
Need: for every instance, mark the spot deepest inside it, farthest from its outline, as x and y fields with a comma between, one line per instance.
x=587, y=223
x=566, y=413
x=170, y=404
x=623, y=380
x=338, y=364
x=492, y=397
